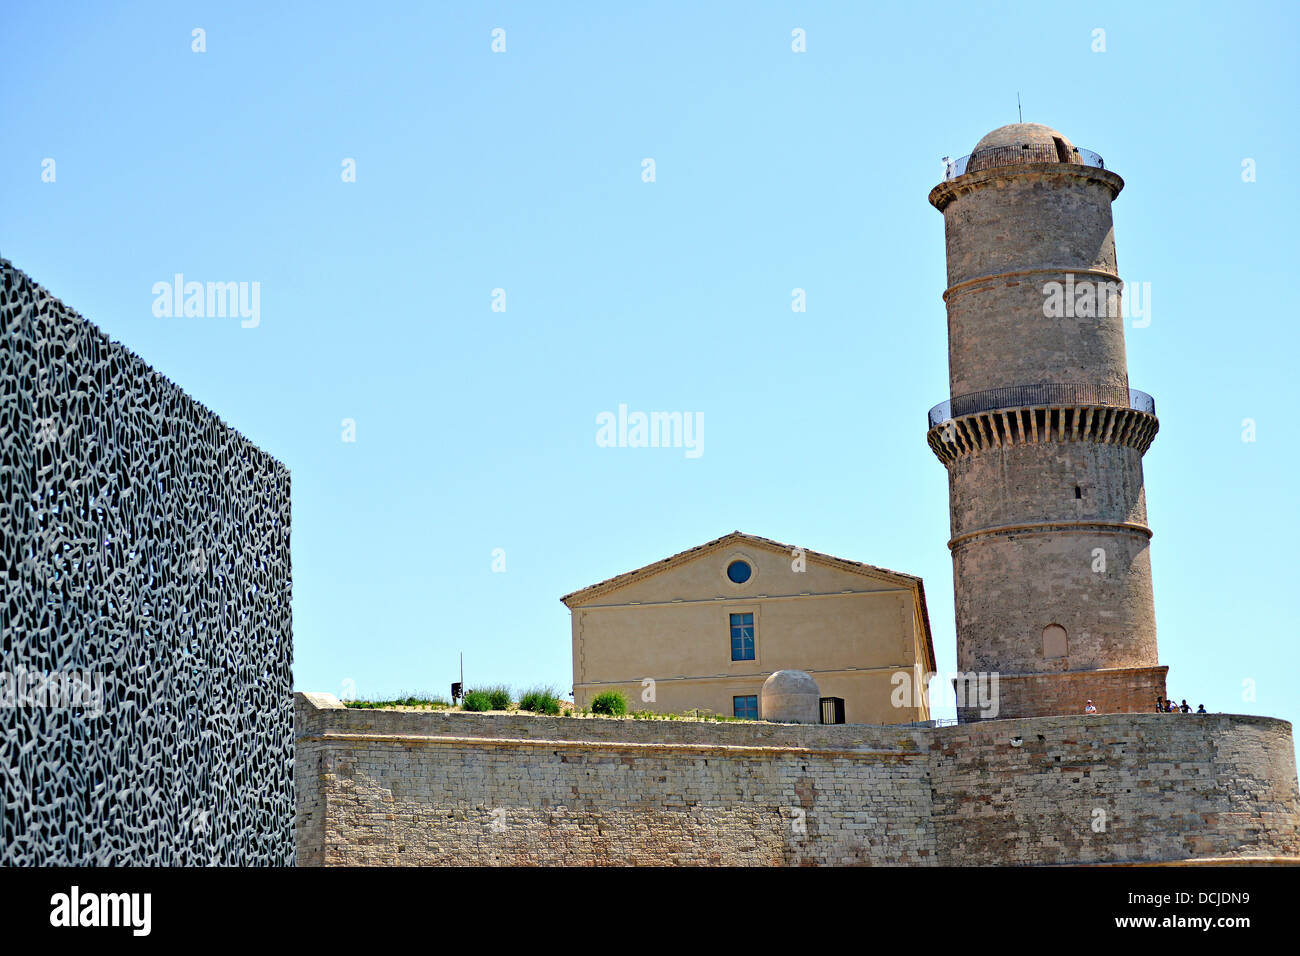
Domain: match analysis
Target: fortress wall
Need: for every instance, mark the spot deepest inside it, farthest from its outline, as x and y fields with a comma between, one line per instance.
x=1170, y=787
x=392, y=788
x=308, y=782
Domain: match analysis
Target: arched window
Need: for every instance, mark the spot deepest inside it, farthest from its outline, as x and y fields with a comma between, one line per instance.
x=1054, y=641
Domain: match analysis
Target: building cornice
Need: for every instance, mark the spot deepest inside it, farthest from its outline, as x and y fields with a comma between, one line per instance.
x=585, y=595
x=943, y=194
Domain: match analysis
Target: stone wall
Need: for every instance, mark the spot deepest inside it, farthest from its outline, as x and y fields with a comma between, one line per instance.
x=1009, y=231
x=1119, y=690
x=394, y=788
x=1085, y=504
x=146, y=713
x=1123, y=787
x=387, y=788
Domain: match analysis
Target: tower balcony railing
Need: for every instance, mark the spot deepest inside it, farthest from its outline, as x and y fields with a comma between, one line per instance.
x=1039, y=396
x=1016, y=155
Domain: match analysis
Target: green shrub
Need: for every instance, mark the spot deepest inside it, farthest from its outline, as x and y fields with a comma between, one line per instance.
x=540, y=700
x=611, y=702
x=476, y=700
x=498, y=697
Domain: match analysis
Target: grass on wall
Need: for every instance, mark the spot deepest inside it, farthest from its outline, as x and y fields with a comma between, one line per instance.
x=425, y=701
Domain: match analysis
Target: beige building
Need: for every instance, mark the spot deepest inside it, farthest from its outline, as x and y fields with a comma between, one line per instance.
x=704, y=628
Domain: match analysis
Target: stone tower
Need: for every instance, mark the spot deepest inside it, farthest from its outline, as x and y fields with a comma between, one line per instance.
x=1042, y=437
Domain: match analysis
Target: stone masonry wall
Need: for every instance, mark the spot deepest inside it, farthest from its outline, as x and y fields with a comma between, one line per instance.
x=1010, y=231
x=386, y=788
x=1120, y=690
x=1122, y=787
x=1014, y=583
x=393, y=788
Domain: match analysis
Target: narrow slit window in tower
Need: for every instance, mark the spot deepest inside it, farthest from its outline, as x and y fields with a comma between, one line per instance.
x=1054, y=641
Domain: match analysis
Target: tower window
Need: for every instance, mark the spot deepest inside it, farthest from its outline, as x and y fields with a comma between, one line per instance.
x=742, y=637
x=1054, y=641
x=1078, y=492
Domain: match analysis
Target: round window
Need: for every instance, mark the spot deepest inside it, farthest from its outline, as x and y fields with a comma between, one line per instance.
x=738, y=572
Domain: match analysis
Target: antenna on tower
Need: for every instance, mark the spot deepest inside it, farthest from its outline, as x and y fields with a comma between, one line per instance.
x=1018, y=109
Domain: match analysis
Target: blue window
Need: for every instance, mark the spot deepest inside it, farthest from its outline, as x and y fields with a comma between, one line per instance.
x=738, y=572
x=742, y=637
x=746, y=707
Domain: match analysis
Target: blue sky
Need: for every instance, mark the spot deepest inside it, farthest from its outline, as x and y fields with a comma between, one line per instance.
x=522, y=171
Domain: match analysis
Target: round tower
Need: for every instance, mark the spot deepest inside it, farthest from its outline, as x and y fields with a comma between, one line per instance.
x=1042, y=437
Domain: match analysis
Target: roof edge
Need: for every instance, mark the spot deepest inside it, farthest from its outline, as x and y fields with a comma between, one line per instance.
x=583, y=595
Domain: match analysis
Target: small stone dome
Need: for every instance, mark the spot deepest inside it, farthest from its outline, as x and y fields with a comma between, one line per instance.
x=1022, y=134
x=1021, y=143
x=791, y=697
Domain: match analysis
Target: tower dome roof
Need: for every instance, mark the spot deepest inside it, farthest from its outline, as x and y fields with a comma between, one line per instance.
x=1021, y=134
x=1021, y=143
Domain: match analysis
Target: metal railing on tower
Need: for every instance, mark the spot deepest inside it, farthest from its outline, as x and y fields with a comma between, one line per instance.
x=996, y=156
x=1038, y=396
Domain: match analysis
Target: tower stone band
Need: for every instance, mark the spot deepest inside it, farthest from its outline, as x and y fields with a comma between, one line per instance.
x=1043, y=438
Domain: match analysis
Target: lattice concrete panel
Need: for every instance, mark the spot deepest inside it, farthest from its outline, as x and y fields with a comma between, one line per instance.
x=145, y=549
